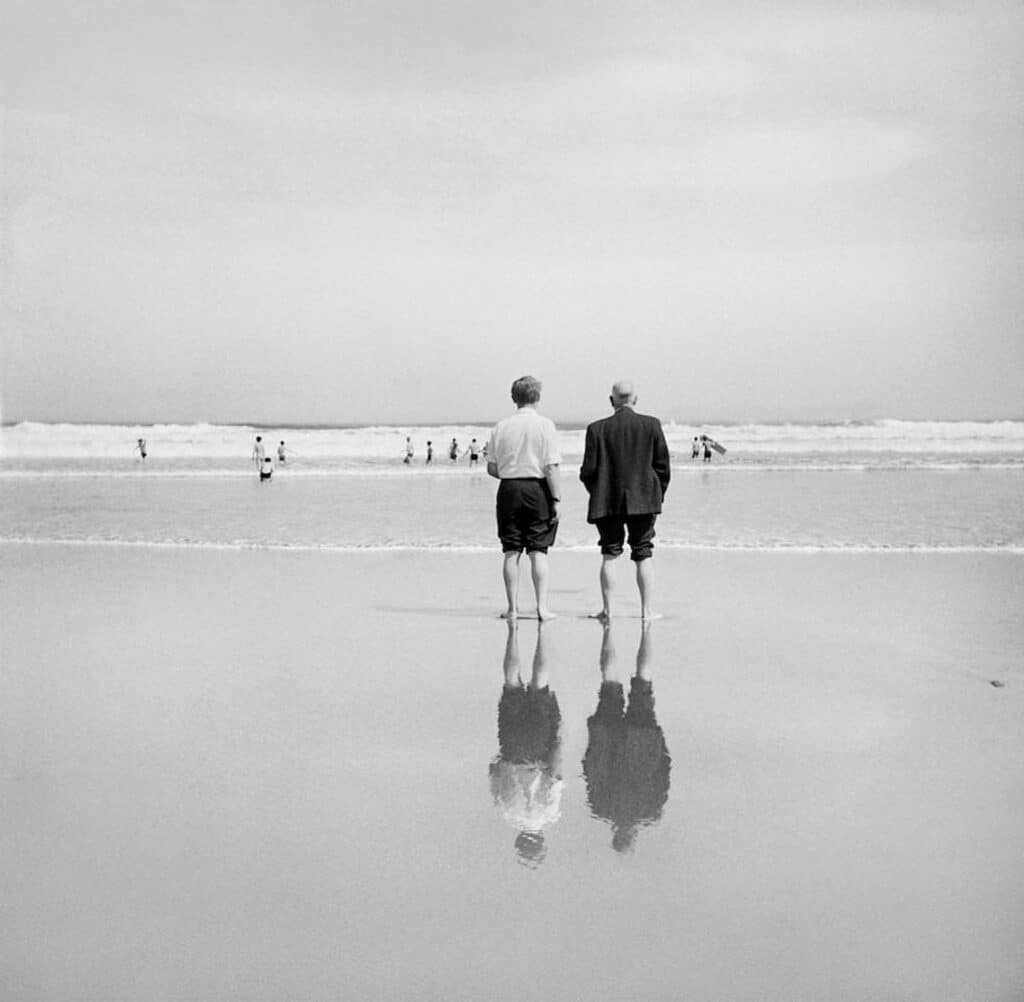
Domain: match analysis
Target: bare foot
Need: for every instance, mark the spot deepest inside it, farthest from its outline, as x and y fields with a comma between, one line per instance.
x=604, y=615
x=511, y=615
x=649, y=616
x=545, y=614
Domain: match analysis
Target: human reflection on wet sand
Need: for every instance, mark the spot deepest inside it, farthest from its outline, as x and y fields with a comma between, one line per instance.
x=526, y=776
x=627, y=764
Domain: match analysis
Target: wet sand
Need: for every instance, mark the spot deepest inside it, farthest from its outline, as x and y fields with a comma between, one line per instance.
x=265, y=775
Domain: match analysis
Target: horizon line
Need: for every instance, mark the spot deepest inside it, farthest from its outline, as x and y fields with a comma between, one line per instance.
x=487, y=422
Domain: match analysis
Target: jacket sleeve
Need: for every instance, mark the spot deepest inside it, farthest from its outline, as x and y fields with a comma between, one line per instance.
x=661, y=461
x=588, y=468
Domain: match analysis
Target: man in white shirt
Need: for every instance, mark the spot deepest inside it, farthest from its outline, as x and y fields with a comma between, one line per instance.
x=523, y=454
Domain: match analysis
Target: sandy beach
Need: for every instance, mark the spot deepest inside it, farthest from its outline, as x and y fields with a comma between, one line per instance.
x=280, y=284
x=264, y=775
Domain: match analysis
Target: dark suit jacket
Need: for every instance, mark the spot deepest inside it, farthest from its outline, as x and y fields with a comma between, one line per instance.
x=625, y=465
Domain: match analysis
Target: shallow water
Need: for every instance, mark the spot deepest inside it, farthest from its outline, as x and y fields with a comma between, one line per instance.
x=924, y=485
x=718, y=508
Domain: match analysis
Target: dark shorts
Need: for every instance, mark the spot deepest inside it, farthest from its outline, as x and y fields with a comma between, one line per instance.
x=524, y=516
x=265, y=476
x=528, y=724
x=612, y=534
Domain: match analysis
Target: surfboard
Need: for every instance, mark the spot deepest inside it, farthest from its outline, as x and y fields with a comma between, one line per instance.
x=720, y=449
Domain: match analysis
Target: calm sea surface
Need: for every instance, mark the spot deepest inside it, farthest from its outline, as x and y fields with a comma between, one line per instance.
x=721, y=508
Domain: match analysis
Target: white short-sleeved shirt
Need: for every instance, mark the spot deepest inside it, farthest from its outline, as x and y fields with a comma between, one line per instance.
x=529, y=796
x=523, y=444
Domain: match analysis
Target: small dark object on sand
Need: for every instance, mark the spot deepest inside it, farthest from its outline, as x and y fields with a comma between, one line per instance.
x=997, y=683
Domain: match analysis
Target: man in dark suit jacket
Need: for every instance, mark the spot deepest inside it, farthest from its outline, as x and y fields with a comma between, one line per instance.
x=626, y=471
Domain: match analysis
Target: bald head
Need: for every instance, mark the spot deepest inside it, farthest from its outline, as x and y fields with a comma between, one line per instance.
x=623, y=394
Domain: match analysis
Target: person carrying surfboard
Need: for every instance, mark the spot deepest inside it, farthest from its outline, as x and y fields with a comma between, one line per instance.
x=707, y=443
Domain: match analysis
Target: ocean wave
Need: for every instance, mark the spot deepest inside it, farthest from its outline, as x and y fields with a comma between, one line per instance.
x=38, y=440
x=883, y=428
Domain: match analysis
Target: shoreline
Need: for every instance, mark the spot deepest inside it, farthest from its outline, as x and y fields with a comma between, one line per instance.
x=781, y=549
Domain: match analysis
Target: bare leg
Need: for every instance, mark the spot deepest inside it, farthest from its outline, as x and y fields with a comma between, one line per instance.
x=510, y=573
x=511, y=663
x=539, y=678
x=539, y=572
x=645, y=582
x=644, y=654
x=607, y=588
x=609, y=661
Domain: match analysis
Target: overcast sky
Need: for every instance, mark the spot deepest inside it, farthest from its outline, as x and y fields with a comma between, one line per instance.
x=384, y=211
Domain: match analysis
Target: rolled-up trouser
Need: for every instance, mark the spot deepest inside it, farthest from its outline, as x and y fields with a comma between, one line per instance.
x=612, y=534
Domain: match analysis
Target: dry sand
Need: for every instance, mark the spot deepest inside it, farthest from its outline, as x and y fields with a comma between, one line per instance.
x=258, y=775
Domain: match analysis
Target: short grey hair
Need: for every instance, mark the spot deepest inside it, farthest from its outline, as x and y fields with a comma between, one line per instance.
x=623, y=392
x=526, y=390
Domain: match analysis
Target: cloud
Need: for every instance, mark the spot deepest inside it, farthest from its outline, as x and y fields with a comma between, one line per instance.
x=198, y=174
x=631, y=122
x=756, y=158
